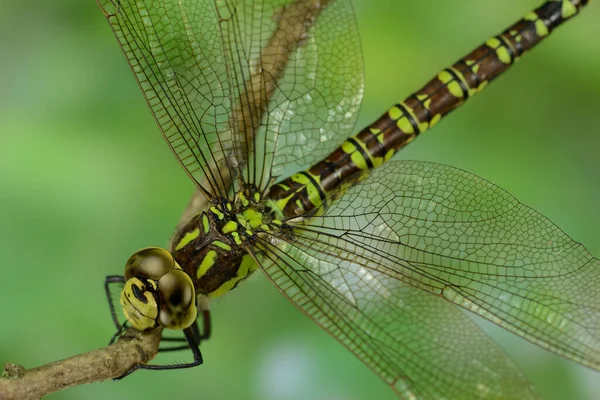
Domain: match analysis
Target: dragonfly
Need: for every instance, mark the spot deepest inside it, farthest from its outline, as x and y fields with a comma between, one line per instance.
x=258, y=101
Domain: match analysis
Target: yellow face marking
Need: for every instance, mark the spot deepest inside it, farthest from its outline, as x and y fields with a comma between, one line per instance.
x=207, y=262
x=187, y=238
x=140, y=313
x=222, y=245
x=229, y=207
x=257, y=197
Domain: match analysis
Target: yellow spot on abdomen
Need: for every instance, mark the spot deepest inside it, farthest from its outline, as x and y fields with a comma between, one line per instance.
x=568, y=9
x=452, y=84
x=540, y=28
x=501, y=50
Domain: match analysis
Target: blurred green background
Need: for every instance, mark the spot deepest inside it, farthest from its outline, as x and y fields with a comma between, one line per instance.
x=85, y=180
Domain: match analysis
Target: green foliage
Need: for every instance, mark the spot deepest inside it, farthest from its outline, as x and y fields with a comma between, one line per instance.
x=79, y=192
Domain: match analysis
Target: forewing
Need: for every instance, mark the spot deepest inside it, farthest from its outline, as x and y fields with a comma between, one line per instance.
x=316, y=101
x=296, y=77
x=175, y=51
x=241, y=87
x=437, y=229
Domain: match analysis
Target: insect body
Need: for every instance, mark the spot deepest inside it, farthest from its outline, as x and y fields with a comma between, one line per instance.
x=373, y=255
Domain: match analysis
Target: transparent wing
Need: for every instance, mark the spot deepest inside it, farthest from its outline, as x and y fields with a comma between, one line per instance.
x=419, y=344
x=175, y=51
x=380, y=267
x=240, y=87
x=316, y=102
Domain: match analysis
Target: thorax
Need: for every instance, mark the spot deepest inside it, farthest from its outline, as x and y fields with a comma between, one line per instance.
x=214, y=248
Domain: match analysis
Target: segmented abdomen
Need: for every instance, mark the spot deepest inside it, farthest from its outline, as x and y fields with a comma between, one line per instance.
x=402, y=123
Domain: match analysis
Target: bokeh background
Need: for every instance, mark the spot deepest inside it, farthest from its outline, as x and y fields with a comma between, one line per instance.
x=85, y=180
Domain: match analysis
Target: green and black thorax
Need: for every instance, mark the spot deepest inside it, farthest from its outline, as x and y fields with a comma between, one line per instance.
x=215, y=246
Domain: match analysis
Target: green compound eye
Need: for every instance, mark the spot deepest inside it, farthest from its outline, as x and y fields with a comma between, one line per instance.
x=157, y=291
x=151, y=262
x=177, y=300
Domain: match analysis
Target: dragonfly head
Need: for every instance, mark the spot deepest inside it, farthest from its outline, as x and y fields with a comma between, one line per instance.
x=157, y=292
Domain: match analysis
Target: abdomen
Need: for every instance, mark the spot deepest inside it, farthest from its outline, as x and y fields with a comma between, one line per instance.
x=307, y=191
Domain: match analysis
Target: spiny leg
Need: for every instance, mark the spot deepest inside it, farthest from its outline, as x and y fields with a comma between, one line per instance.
x=198, y=337
x=189, y=336
x=109, y=280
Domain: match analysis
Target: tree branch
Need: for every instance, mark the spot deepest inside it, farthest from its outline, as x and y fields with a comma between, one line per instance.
x=137, y=347
x=133, y=348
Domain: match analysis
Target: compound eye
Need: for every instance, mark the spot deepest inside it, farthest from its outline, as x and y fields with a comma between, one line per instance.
x=177, y=300
x=139, y=302
x=151, y=262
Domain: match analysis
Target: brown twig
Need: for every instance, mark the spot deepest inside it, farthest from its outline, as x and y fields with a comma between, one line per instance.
x=133, y=348
x=137, y=347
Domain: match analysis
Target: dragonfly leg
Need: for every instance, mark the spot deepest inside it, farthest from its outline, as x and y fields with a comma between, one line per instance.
x=198, y=337
x=113, y=279
x=193, y=346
